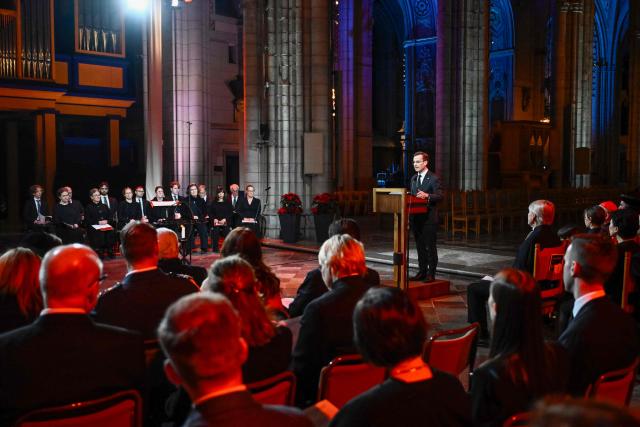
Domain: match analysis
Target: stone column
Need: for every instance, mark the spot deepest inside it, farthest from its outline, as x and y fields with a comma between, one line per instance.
x=462, y=126
x=634, y=94
x=572, y=112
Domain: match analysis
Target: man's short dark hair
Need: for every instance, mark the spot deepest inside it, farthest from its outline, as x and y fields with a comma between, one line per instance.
x=627, y=222
x=158, y=187
x=141, y=187
x=172, y=183
x=345, y=226
x=425, y=156
x=388, y=326
x=34, y=188
x=596, y=215
x=200, y=333
x=103, y=184
x=596, y=255
x=139, y=241
x=40, y=242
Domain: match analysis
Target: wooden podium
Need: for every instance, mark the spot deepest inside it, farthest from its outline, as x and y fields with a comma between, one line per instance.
x=398, y=202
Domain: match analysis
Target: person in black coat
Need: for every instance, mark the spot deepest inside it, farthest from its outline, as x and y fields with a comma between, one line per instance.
x=128, y=210
x=96, y=213
x=139, y=301
x=206, y=361
x=198, y=213
x=600, y=337
x=109, y=201
x=521, y=368
x=313, y=286
x=425, y=185
x=161, y=216
x=221, y=216
x=326, y=329
x=594, y=218
x=141, y=200
x=35, y=213
x=249, y=209
x=67, y=218
x=170, y=262
x=540, y=219
x=390, y=331
x=64, y=357
x=624, y=228
x=235, y=195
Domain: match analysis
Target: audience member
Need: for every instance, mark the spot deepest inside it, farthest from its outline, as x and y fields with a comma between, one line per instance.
x=20, y=298
x=571, y=412
x=221, y=214
x=540, y=219
x=244, y=242
x=630, y=201
x=326, y=329
x=624, y=228
x=98, y=214
x=313, y=286
x=140, y=300
x=35, y=214
x=67, y=218
x=521, y=367
x=594, y=218
x=141, y=200
x=601, y=337
x=201, y=336
x=168, y=254
x=40, y=242
x=390, y=331
x=128, y=210
x=248, y=209
x=609, y=207
x=198, y=212
x=64, y=357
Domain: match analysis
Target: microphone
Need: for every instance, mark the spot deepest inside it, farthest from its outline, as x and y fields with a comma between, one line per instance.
x=267, y=189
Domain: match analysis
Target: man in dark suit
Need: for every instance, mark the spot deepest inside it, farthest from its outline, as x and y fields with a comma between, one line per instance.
x=139, y=301
x=64, y=357
x=425, y=185
x=199, y=214
x=35, y=214
x=200, y=335
x=326, y=327
x=169, y=257
x=540, y=219
x=108, y=201
x=600, y=337
x=235, y=195
x=141, y=200
x=313, y=286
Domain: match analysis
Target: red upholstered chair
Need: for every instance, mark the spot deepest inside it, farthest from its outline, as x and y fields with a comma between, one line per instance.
x=521, y=419
x=123, y=409
x=547, y=272
x=454, y=350
x=345, y=377
x=615, y=386
x=277, y=390
x=628, y=284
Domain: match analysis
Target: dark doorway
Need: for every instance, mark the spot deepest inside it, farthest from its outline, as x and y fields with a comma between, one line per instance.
x=231, y=169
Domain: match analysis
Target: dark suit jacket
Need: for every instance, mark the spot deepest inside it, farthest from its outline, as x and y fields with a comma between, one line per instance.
x=94, y=213
x=601, y=338
x=313, y=287
x=239, y=409
x=246, y=210
x=430, y=184
x=326, y=331
x=29, y=212
x=113, y=207
x=174, y=265
x=138, y=303
x=613, y=286
x=10, y=315
x=128, y=211
x=197, y=207
x=65, y=358
x=542, y=234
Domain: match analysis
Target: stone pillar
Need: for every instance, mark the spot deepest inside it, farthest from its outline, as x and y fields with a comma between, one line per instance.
x=462, y=126
x=634, y=95
x=114, y=140
x=572, y=112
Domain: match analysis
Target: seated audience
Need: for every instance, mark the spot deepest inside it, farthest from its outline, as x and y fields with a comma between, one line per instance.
x=390, y=331
x=64, y=357
x=609, y=207
x=128, y=209
x=326, y=328
x=20, y=298
x=35, y=214
x=99, y=214
x=521, y=367
x=198, y=213
x=312, y=287
x=594, y=218
x=601, y=337
x=221, y=214
x=169, y=257
x=244, y=242
x=201, y=337
x=571, y=412
x=249, y=210
x=40, y=242
x=540, y=219
x=140, y=300
x=624, y=228
x=67, y=218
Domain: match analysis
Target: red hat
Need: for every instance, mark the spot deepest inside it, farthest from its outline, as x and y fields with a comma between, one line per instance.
x=609, y=206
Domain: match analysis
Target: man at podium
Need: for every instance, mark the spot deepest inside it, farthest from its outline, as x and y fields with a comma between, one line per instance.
x=425, y=185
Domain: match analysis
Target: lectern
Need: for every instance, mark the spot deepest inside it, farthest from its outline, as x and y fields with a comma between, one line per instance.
x=398, y=202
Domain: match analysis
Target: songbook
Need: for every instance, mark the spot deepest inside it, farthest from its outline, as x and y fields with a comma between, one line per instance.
x=163, y=204
x=102, y=227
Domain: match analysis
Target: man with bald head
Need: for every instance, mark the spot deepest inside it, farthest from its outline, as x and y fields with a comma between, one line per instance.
x=169, y=257
x=65, y=357
x=139, y=301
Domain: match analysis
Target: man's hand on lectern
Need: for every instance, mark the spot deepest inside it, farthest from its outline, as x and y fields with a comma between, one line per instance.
x=422, y=195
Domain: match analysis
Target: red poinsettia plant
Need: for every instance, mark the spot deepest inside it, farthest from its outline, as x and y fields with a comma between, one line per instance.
x=324, y=203
x=290, y=203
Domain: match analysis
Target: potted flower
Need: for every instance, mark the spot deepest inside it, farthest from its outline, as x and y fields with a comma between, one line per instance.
x=323, y=207
x=289, y=214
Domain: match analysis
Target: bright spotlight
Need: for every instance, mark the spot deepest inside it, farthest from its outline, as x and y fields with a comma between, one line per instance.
x=137, y=5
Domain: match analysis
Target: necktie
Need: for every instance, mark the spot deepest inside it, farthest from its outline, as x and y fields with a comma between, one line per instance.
x=235, y=199
x=38, y=206
x=419, y=180
x=105, y=201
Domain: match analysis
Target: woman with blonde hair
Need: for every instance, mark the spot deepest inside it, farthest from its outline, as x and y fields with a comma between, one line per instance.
x=20, y=298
